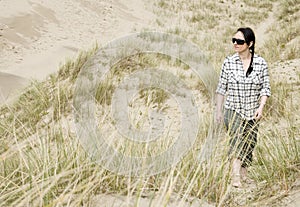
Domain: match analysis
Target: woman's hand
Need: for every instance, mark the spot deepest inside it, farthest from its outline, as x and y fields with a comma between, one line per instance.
x=219, y=116
x=259, y=113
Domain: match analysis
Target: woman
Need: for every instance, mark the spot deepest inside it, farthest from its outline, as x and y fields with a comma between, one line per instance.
x=244, y=80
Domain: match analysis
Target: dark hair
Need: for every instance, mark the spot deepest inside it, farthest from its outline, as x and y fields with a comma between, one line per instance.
x=249, y=37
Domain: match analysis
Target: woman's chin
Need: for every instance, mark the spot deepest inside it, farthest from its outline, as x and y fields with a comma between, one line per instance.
x=236, y=49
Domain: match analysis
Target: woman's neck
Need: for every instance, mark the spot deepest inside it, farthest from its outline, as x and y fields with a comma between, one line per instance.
x=245, y=55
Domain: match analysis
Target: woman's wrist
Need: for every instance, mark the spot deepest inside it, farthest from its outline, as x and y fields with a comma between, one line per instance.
x=263, y=101
x=261, y=105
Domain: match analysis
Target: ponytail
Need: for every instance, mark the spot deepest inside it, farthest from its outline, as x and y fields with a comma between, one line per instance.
x=249, y=37
x=250, y=69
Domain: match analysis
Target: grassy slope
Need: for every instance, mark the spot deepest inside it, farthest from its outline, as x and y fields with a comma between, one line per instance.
x=42, y=163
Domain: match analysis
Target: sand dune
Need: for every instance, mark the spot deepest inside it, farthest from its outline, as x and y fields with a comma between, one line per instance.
x=9, y=85
x=36, y=36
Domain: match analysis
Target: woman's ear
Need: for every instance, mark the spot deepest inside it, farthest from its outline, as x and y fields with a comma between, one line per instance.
x=250, y=44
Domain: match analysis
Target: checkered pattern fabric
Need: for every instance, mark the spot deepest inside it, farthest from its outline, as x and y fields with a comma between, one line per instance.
x=243, y=93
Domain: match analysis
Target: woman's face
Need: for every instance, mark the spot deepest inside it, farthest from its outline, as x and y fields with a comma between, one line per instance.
x=239, y=47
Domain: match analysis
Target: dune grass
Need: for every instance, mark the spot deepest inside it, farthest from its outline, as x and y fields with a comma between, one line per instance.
x=42, y=163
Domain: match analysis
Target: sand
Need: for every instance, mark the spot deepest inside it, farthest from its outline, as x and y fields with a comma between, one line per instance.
x=10, y=85
x=37, y=36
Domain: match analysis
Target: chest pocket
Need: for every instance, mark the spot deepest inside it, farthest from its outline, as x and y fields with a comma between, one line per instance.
x=254, y=80
x=234, y=80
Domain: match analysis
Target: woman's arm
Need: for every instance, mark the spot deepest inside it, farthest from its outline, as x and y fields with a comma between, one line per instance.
x=265, y=92
x=221, y=92
x=219, y=104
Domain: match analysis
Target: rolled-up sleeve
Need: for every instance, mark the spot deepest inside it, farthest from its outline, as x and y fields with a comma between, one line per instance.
x=223, y=80
x=266, y=88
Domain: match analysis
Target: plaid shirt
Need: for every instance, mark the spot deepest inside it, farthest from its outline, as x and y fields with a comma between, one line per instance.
x=243, y=93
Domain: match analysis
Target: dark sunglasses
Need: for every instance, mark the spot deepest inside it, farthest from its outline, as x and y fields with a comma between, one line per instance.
x=238, y=41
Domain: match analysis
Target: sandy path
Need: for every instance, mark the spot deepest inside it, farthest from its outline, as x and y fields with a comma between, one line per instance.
x=261, y=31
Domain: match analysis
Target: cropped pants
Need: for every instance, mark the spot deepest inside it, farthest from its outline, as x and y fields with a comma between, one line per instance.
x=243, y=136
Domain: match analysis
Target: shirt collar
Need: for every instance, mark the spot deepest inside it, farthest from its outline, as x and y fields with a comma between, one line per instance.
x=236, y=56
